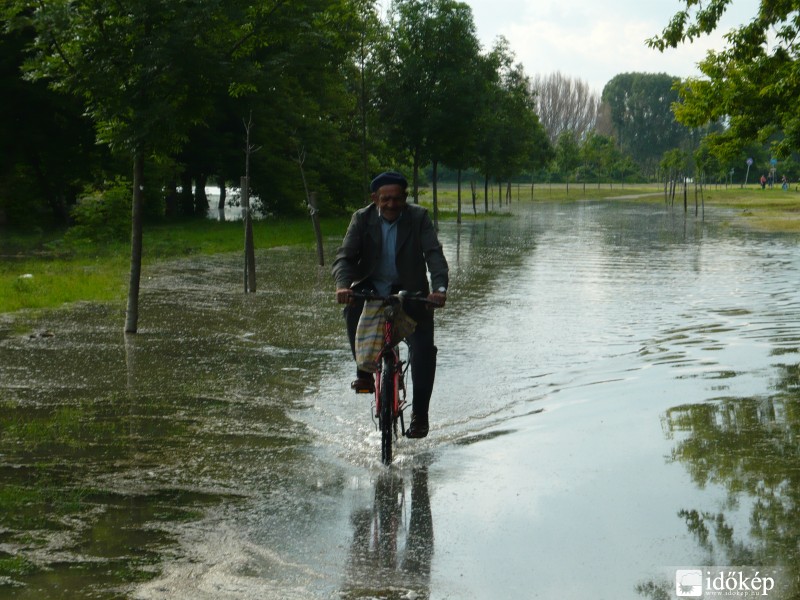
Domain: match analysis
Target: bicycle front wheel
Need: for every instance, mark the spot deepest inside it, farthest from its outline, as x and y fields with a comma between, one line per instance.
x=386, y=416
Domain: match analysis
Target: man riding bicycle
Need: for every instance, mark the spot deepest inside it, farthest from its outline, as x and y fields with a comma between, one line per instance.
x=389, y=246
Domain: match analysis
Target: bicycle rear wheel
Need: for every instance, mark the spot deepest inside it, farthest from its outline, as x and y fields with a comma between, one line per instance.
x=385, y=417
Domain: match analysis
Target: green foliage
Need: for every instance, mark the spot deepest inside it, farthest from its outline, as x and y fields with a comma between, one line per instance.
x=102, y=215
x=16, y=566
x=752, y=83
x=641, y=112
x=512, y=139
x=567, y=153
x=46, y=143
x=97, y=272
x=424, y=63
x=675, y=162
x=323, y=79
x=601, y=159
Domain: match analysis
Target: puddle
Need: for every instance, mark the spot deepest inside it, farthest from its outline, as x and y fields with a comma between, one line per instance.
x=617, y=394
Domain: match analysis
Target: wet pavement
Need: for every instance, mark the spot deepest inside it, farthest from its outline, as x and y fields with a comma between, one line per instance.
x=616, y=398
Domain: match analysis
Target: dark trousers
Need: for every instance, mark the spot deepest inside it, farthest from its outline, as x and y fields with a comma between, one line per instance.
x=422, y=352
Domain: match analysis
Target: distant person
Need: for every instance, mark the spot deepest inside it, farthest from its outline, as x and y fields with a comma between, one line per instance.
x=784, y=183
x=763, y=182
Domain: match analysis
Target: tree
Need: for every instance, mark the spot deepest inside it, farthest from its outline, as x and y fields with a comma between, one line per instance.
x=511, y=137
x=567, y=153
x=456, y=98
x=640, y=108
x=565, y=104
x=301, y=82
x=46, y=143
x=141, y=70
x=599, y=155
x=753, y=83
x=429, y=83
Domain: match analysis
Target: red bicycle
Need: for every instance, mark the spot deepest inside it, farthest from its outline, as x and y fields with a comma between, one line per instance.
x=390, y=370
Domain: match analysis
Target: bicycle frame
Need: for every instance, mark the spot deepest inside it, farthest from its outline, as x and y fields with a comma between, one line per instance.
x=389, y=361
x=389, y=371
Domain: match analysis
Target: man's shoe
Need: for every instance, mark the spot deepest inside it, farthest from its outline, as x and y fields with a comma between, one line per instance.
x=418, y=428
x=363, y=385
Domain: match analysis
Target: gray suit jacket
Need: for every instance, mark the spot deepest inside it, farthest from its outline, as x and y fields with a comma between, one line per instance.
x=418, y=250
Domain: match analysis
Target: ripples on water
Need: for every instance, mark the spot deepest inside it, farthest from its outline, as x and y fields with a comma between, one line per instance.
x=237, y=407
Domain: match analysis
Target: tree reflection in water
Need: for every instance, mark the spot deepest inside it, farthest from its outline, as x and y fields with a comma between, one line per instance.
x=390, y=558
x=751, y=447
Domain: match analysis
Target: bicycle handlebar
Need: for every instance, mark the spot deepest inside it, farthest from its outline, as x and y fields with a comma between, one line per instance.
x=398, y=297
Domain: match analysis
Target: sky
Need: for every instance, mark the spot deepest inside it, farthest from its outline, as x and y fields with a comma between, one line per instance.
x=594, y=40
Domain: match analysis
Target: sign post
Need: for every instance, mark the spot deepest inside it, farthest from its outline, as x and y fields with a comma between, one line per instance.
x=746, y=175
x=773, y=163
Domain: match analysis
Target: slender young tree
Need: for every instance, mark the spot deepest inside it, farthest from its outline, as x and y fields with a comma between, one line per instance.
x=512, y=139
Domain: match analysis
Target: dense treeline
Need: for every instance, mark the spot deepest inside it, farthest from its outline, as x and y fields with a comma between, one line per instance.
x=152, y=96
x=159, y=90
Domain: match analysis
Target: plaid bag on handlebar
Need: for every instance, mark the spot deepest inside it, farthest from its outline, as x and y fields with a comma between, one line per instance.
x=369, y=332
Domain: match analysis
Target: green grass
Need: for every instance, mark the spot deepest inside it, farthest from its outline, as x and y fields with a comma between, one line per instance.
x=16, y=566
x=772, y=210
x=27, y=507
x=447, y=194
x=40, y=271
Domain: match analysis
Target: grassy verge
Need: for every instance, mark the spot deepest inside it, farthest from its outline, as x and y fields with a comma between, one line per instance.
x=751, y=207
x=763, y=210
x=41, y=271
x=447, y=195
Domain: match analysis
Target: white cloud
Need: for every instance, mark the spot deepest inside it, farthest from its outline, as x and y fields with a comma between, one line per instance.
x=595, y=42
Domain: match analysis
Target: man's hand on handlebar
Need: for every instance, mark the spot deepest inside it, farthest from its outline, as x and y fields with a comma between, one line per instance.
x=344, y=296
x=348, y=296
x=437, y=299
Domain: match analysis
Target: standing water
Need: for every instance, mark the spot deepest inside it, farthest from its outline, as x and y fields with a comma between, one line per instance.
x=616, y=399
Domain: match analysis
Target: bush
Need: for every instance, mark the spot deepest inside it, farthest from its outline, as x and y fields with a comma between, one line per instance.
x=102, y=215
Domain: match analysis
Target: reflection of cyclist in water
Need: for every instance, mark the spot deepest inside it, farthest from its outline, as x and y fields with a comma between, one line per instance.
x=380, y=564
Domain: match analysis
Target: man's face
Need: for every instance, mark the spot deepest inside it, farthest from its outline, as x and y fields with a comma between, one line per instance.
x=391, y=200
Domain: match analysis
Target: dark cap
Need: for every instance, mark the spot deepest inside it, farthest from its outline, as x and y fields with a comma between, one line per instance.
x=388, y=178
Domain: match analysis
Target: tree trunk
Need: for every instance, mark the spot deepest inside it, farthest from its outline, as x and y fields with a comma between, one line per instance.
x=415, y=195
x=486, y=194
x=314, y=210
x=363, y=114
x=458, y=217
x=186, y=198
x=132, y=313
x=435, y=196
x=200, y=198
x=223, y=195
x=685, y=195
x=171, y=199
x=249, y=246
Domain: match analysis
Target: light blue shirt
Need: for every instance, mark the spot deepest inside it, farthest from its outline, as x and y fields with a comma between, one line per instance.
x=386, y=275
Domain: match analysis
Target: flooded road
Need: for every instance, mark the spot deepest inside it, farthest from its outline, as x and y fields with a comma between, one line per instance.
x=617, y=397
